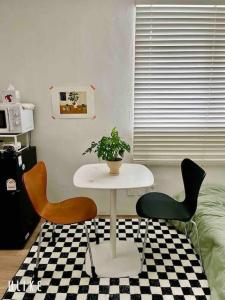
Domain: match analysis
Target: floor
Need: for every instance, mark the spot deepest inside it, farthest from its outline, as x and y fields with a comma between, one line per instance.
x=171, y=269
x=10, y=261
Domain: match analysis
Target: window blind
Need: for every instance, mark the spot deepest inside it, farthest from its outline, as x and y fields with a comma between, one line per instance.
x=179, y=83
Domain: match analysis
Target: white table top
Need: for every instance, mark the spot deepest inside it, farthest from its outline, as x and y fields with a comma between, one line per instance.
x=96, y=176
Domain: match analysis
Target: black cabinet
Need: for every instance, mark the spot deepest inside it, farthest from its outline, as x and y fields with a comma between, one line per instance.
x=17, y=216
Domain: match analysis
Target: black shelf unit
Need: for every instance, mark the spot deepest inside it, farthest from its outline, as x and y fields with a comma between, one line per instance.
x=18, y=218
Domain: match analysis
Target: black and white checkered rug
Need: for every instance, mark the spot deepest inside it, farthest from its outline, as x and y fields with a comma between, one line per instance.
x=171, y=270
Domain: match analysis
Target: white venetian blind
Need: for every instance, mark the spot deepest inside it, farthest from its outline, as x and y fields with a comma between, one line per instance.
x=179, y=93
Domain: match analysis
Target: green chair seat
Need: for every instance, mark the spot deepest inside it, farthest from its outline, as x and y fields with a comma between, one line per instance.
x=161, y=206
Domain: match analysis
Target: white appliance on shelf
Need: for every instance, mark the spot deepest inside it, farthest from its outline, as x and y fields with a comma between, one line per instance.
x=16, y=118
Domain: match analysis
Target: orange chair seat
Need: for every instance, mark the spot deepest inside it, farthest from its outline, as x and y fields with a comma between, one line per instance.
x=69, y=211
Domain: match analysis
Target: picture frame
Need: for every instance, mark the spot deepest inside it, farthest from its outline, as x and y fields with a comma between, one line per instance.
x=73, y=102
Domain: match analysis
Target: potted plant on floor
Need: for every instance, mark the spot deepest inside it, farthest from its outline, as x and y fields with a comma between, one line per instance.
x=111, y=149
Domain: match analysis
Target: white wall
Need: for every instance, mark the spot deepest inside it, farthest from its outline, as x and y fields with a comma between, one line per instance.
x=64, y=43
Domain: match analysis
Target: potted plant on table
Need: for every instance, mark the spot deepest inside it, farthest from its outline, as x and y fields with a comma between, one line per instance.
x=73, y=97
x=111, y=149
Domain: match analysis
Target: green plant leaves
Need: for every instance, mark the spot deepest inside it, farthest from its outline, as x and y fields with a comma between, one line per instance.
x=109, y=148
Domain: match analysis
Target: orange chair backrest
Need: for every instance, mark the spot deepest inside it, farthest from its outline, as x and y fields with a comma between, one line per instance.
x=35, y=182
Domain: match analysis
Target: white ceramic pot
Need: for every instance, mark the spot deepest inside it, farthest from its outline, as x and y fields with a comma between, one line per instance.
x=114, y=166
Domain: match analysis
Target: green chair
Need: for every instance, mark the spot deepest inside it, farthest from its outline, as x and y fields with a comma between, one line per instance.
x=161, y=206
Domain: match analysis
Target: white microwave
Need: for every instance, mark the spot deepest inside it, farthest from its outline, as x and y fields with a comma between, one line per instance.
x=15, y=119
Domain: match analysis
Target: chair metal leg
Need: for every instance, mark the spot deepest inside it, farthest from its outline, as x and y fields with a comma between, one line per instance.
x=35, y=274
x=94, y=275
x=96, y=232
x=185, y=228
x=199, y=249
x=139, y=227
x=53, y=232
x=144, y=245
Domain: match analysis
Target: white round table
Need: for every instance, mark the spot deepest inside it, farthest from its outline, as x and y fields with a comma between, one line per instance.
x=96, y=176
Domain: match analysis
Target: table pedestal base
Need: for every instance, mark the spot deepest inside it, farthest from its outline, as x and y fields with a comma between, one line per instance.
x=125, y=264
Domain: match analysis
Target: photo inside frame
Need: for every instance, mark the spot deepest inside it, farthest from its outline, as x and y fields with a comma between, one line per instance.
x=73, y=102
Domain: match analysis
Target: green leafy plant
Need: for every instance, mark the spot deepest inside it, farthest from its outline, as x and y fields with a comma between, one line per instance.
x=73, y=97
x=109, y=148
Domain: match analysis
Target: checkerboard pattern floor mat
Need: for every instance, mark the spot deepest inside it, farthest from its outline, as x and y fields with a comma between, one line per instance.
x=171, y=269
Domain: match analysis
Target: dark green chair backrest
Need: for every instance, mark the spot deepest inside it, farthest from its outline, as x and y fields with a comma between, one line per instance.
x=193, y=176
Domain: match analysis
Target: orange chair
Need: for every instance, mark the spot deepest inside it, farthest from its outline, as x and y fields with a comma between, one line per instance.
x=69, y=211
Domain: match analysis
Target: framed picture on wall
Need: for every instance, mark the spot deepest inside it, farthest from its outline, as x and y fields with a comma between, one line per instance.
x=73, y=102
